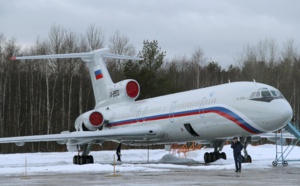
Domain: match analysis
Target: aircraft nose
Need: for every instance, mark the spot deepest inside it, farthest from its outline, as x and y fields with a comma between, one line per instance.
x=283, y=113
x=288, y=111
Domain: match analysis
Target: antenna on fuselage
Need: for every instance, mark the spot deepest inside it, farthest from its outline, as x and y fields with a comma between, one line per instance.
x=254, y=81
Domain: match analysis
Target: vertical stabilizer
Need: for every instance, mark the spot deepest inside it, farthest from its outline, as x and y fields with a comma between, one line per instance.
x=100, y=76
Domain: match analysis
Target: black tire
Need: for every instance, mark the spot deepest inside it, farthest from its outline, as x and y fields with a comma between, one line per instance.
x=274, y=163
x=209, y=157
x=206, y=157
x=249, y=159
x=75, y=160
x=214, y=157
x=82, y=160
x=90, y=159
x=223, y=155
x=87, y=159
x=243, y=159
x=218, y=155
x=285, y=163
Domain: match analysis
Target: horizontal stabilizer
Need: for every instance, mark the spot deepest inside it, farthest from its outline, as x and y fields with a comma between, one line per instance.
x=86, y=56
x=116, y=56
x=54, y=56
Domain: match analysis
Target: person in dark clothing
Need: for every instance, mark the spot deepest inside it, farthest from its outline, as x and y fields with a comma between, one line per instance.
x=237, y=148
x=118, y=152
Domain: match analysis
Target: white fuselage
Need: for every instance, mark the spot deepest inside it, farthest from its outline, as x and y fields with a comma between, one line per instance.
x=214, y=112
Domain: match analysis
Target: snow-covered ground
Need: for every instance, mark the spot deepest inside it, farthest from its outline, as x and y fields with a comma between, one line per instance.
x=134, y=161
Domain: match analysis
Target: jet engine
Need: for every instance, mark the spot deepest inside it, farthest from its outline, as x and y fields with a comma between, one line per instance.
x=89, y=121
x=127, y=89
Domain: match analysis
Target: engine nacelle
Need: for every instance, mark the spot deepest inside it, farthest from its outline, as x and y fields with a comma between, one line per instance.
x=127, y=89
x=89, y=121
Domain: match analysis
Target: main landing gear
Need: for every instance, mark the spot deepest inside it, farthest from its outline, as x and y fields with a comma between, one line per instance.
x=214, y=156
x=84, y=158
x=81, y=160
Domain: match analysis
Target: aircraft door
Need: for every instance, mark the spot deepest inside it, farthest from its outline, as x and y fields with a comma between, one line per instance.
x=201, y=107
x=172, y=111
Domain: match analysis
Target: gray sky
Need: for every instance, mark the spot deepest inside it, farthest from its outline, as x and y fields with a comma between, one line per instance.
x=221, y=28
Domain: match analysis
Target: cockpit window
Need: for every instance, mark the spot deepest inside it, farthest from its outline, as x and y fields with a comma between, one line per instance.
x=266, y=95
x=265, y=92
x=257, y=95
x=273, y=93
x=252, y=95
x=279, y=95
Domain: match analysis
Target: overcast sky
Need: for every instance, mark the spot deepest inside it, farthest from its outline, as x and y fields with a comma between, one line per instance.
x=221, y=28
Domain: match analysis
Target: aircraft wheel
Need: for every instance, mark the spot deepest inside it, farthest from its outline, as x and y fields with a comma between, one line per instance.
x=75, y=160
x=243, y=159
x=274, y=163
x=209, y=157
x=248, y=159
x=89, y=159
x=206, y=157
x=217, y=155
x=213, y=157
x=82, y=160
x=223, y=155
x=285, y=163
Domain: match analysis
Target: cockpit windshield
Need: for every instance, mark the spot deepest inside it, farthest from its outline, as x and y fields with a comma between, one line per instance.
x=264, y=94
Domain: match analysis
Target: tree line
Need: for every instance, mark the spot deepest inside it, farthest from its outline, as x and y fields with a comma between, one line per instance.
x=46, y=96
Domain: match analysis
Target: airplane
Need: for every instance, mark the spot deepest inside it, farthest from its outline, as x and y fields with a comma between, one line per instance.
x=210, y=115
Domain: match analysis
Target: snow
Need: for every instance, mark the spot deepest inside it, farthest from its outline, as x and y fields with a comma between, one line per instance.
x=135, y=161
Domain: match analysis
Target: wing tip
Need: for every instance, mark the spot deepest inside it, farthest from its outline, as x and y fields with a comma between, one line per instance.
x=13, y=58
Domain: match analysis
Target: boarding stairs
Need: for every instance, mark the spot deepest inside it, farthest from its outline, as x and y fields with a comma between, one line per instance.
x=282, y=151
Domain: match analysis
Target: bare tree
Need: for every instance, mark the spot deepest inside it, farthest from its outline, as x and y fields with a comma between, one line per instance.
x=289, y=51
x=119, y=44
x=94, y=37
x=2, y=40
x=198, y=60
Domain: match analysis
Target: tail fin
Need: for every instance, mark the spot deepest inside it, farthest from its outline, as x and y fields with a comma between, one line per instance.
x=100, y=77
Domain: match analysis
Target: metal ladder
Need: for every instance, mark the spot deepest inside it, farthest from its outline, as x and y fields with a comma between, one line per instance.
x=281, y=153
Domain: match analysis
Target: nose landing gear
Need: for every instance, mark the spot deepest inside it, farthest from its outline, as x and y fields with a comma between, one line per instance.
x=246, y=158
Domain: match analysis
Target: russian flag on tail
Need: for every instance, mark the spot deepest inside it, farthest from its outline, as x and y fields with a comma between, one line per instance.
x=98, y=74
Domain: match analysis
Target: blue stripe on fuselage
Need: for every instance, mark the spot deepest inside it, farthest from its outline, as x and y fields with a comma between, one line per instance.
x=230, y=115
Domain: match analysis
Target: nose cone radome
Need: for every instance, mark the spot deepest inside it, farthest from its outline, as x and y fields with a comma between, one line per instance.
x=283, y=113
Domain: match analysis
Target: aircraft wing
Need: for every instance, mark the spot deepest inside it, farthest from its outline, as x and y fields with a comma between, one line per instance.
x=84, y=137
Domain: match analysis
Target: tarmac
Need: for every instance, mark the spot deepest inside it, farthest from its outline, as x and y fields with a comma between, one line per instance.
x=274, y=176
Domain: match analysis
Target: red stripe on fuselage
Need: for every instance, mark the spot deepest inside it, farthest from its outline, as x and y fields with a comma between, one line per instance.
x=184, y=114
